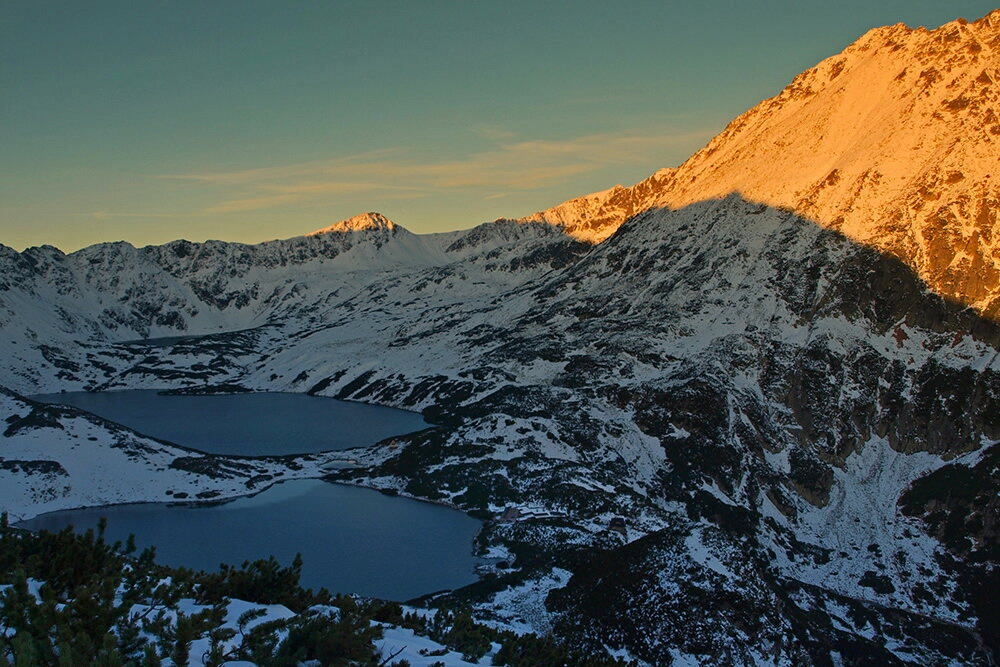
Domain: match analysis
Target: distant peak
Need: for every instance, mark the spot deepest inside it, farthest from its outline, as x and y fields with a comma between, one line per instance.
x=358, y=223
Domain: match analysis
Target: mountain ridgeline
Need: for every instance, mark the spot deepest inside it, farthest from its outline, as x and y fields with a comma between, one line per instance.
x=895, y=142
x=776, y=362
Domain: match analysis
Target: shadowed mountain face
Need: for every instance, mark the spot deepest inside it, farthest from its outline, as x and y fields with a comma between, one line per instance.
x=797, y=383
x=783, y=392
x=752, y=392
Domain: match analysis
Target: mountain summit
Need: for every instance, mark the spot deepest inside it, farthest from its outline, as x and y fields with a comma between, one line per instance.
x=737, y=429
x=358, y=223
x=895, y=143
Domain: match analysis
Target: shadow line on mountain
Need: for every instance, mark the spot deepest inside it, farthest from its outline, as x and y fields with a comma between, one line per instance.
x=890, y=293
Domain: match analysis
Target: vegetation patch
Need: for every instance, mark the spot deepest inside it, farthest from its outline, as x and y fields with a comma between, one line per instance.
x=102, y=604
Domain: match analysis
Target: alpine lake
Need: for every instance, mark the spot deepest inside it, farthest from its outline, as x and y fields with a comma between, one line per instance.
x=352, y=540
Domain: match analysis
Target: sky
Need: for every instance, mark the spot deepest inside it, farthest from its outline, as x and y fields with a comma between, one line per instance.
x=245, y=120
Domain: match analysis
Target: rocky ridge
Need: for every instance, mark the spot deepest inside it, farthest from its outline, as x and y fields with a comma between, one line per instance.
x=798, y=432
x=893, y=142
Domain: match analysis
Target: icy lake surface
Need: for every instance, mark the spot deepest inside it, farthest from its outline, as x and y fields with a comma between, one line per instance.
x=246, y=424
x=352, y=540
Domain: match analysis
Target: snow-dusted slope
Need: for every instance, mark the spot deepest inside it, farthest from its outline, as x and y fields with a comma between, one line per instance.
x=895, y=142
x=56, y=457
x=751, y=370
x=727, y=363
x=595, y=217
x=52, y=306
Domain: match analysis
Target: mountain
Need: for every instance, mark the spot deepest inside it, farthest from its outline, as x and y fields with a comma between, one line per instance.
x=359, y=223
x=595, y=217
x=893, y=142
x=777, y=363
x=53, y=305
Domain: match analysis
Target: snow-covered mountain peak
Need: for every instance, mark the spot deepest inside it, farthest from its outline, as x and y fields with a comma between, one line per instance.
x=797, y=438
x=893, y=142
x=358, y=223
x=595, y=217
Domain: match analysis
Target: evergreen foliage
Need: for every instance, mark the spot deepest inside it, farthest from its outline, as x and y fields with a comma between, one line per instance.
x=262, y=582
x=530, y=650
x=71, y=599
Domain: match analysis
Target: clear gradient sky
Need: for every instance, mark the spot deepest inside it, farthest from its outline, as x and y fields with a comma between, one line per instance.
x=245, y=120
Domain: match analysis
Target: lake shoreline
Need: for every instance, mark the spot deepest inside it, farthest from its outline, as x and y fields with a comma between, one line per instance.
x=58, y=458
x=245, y=424
x=389, y=545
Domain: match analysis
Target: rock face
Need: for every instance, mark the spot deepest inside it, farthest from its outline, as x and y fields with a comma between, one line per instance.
x=359, y=223
x=594, y=218
x=764, y=373
x=895, y=143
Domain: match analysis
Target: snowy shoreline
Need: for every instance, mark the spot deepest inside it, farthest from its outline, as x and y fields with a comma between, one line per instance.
x=57, y=458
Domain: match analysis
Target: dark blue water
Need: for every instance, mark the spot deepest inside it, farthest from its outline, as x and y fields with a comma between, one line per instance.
x=352, y=540
x=247, y=424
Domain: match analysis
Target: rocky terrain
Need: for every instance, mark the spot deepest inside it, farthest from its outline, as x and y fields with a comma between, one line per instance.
x=777, y=363
x=893, y=142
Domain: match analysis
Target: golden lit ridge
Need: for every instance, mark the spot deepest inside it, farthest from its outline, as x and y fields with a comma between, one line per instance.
x=895, y=143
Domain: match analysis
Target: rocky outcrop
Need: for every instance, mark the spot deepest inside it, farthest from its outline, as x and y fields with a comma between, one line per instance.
x=893, y=143
x=760, y=365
